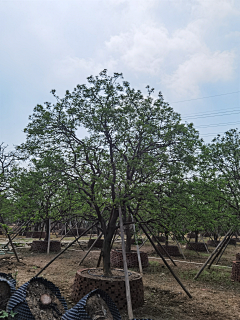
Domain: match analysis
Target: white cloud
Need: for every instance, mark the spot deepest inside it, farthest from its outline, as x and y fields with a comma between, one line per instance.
x=233, y=34
x=198, y=69
x=215, y=9
x=185, y=58
x=149, y=47
x=72, y=67
x=141, y=49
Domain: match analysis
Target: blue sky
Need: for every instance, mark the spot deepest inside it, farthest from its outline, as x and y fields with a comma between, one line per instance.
x=188, y=49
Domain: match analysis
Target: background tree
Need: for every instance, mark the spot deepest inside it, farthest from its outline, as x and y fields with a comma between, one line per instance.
x=220, y=169
x=8, y=160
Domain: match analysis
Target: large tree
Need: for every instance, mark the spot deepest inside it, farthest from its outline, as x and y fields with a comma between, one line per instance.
x=133, y=142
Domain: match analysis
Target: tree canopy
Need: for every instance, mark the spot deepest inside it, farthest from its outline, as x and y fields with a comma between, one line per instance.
x=134, y=142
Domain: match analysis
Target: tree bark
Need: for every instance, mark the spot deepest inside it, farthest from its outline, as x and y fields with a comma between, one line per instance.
x=166, y=236
x=196, y=236
x=47, y=229
x=106, y=255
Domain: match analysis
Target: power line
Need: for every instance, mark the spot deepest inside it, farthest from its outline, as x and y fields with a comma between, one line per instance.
x=216, y=95
x=211, y=112
x=217, y=124
x=211, y=134
x=210, y=115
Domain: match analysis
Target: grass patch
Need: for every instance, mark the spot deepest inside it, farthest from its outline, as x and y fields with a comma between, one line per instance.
x=214, y=276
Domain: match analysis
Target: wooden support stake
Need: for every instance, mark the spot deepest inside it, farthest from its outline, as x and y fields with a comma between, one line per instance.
x=189, y=242
x=65, y=230
x=10, y=239
x=168, y=255
x=224, y=243
x=60, y=253
x=163, y=259
x=138, y=252
x=128, y=293
x=224, y=248
x=71, y=228
x=211, y=255
x=204, y=243
x=17, y=233
x=49, y=235
x=179, y=247
x=90, y=249
x=143, y=243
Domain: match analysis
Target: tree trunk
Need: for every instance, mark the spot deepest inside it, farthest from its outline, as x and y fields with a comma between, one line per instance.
x=47, y=229
x=166, y=236
x=196, y=236
x=108, y=236
x=106, y=255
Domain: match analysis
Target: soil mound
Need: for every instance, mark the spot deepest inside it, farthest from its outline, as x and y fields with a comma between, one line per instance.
x=36, y=294
x=5, y=294
x=97, y=308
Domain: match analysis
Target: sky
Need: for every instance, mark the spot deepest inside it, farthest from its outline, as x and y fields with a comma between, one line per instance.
x=187, y=49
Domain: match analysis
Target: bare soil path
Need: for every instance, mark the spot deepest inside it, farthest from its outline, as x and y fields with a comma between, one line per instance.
x=215, y=296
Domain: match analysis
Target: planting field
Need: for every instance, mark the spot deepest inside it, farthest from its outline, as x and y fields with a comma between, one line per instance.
x=214, y=295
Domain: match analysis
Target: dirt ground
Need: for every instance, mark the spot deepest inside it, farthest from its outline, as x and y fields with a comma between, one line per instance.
x=214, y=295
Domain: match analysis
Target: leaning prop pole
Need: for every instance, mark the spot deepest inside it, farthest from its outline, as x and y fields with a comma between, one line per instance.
x=138, y=252
x=49, y=235
x=179, y=247
x=17, y=232
x=71, y=230
x=70, y=244
x=224, y=248
x=224, y=245
x=204, y=243
x=212, y=254
x=9, y=238
x=128, y=294
x=66, y=232
x=168, y=255
x=90, y=249
x=163, y=259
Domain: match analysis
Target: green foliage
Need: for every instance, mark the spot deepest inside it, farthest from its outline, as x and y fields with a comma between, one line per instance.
x=4, y=314
x=136, y=149
x=220, y=172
